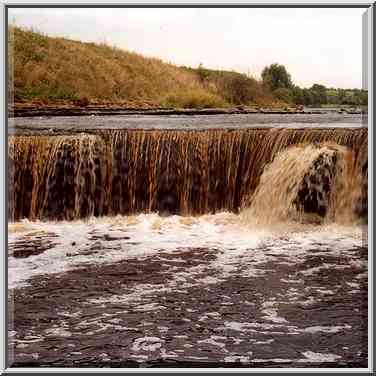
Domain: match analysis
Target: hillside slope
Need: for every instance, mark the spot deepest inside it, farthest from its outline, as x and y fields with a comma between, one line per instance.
x=50, y=70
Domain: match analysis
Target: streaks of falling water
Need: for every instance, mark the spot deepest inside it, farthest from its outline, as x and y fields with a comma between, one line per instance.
x=307, y=183
x=124, y=172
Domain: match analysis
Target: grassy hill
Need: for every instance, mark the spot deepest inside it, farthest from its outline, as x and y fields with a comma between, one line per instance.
x=49, y=70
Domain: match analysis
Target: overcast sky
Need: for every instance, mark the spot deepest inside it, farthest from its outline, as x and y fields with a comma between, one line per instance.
x=316, y=45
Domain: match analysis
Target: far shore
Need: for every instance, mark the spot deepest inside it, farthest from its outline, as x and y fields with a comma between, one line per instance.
x=37, y=110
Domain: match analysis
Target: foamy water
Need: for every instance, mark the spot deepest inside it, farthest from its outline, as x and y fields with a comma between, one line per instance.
x=120, y=238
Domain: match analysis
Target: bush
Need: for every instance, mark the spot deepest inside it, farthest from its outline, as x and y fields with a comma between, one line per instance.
x=193, y=98
x=82, y=102
x=240, y=89
x=283, y=94
x=297, y=95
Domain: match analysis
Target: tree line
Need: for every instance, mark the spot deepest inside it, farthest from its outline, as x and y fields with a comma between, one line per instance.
x=276, y=84
x=276, y=79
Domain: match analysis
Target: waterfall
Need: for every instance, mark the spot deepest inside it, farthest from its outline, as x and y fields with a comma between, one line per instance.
x=167, y=171
x=308, y=183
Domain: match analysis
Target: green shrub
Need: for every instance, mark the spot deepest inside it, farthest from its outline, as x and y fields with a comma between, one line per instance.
x=283, y=94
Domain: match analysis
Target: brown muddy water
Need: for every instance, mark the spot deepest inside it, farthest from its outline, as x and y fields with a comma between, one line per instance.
x=220, y=244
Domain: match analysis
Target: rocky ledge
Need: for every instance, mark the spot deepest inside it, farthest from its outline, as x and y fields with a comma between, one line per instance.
x=25, y=110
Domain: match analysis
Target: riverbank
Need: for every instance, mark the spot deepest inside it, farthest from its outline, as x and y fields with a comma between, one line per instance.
x=53, y=70
x=32, y=110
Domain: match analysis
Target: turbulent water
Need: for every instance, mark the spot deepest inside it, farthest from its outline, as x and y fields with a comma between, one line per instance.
x=174, y=172
x=307, y=182
x=72, y=244
x=188, y=248
x=186, y=291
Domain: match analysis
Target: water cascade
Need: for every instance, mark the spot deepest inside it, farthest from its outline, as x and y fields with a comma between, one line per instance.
x=186, y=172
x=308, y=183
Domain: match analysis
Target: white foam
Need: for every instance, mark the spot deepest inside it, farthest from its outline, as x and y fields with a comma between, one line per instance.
x=237, y=358
x=225, y=234
x=147, y=344
x=326, y=329
x=319, y=357
x=214, y=340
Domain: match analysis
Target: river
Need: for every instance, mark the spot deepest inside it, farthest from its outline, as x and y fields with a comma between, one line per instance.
x=188, y=241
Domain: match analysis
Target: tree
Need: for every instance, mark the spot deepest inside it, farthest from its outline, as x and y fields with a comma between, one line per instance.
x=318, y=87
x=283, y=94
x=364, y=98
x=276, y=77
x=341, y=96
x=332, y=96
x=203, y=74
x=297, y=95
x=319, y=94
x=240, y=89
x=307, y=97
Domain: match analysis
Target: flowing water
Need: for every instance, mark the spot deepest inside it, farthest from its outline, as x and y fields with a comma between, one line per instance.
x=307, y=179
x=178, y=172
x=242, y=247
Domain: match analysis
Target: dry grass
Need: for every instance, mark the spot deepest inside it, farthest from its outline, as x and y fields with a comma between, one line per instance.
x=193, y=98
x=53, y=70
